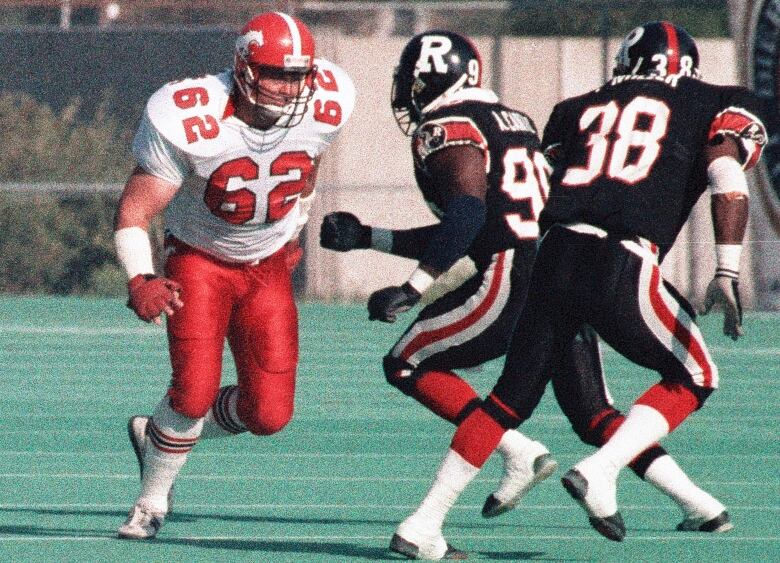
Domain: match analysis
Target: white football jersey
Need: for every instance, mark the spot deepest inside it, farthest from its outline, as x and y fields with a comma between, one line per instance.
x=239, y=186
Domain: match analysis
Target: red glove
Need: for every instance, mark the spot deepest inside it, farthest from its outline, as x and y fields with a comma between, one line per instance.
x=294, y=254
x=151, y=296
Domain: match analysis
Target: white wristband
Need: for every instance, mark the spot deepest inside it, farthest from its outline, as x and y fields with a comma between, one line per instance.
x=726, y=176
x=134, y=251
x=420, y=280
x=382, y=239
x=727, y=256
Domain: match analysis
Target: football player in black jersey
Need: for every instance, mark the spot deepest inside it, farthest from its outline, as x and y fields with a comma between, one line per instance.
x=467, y=144
x=631, y=159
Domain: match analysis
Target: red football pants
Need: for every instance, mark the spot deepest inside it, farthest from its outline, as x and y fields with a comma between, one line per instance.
x=253, y=307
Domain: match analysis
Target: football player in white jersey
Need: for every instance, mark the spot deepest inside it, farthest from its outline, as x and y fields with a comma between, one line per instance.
x=232, y=160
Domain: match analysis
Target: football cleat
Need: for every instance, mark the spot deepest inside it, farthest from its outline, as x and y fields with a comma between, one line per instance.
x=521, y=474
x=595, y=489
x=420, y=542
x=136, y=431
x=718, y=524
x=142, y=524
x=429, y=551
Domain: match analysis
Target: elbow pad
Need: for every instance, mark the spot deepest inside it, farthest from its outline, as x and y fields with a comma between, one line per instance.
x=462, y=221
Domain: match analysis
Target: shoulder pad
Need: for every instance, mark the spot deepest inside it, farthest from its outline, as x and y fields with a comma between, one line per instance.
x=188, y=112
x=436, y=134
x=334, y=99
x=746, y=128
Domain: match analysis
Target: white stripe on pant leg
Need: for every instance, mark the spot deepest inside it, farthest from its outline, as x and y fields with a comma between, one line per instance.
x=459, y=313
x=664, y=334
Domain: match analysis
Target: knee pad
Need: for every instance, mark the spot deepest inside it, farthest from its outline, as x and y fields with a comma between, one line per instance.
x=399, y=374
x=267, y=421
x=265, y=407
x=598, y=429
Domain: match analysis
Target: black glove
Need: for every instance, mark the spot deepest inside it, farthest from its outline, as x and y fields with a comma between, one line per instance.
x=385, y=304
x=724, y=291
x=343, y=231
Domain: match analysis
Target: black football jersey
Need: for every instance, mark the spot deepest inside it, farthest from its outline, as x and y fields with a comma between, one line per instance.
x=627, y=157
x=516, y=168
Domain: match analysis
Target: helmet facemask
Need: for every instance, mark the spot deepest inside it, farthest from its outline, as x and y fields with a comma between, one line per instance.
x=282, y=108
x=406, y=115
x=273, y=69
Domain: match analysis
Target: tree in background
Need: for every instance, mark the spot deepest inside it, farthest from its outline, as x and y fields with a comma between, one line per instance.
x=54, y=243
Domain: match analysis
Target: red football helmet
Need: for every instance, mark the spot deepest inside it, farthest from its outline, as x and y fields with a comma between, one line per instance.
x=280, y=47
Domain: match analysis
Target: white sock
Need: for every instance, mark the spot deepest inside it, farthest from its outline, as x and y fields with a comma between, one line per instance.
x=170, y=437
x=222, y=419
x=642, y=428
x=513, y=441
x=666, y=476
x=453, y=476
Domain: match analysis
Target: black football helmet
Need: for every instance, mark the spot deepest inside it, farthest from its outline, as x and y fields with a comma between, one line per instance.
x=658, y=48
x=433, y=64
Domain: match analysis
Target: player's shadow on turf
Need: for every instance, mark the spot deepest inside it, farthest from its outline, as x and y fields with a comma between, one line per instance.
x=47, y=531
x=282, y=546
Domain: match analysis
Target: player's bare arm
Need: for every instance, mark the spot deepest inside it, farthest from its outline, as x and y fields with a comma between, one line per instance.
x=729, y=210
x=729, y=207
x=144, y=197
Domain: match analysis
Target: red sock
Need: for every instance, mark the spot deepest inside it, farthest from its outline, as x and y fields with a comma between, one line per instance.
x=477, y=437
x=444, y=393
x=674, y=401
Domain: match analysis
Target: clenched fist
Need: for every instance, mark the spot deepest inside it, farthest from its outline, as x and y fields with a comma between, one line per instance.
x=342, y=231
x=151, y=296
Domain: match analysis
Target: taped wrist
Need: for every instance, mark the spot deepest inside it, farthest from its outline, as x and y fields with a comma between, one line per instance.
x=727, y=257
x=462, y=221
x=134, y=251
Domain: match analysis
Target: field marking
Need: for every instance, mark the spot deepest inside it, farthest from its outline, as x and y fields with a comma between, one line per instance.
x=272, y=478
x=334, y=506
x=470, y=537
x=330, y=455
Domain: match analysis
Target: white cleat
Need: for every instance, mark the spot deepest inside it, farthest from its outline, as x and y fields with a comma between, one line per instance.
x=136, y=431
x=142, y=524
x=594, y=487
x=413, y=543
x=522, y=472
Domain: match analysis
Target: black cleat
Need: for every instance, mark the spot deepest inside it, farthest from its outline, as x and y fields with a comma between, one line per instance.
x=611, y=527
x=721, y=523
x=411, y=551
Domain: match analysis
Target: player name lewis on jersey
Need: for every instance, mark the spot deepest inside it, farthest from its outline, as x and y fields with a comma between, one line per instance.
x=513, y=121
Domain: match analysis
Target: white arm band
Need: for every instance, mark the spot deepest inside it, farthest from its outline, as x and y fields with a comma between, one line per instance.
x=382, y=239
x=134, y=251
x=727, y=257
x=726, y=176
x=420, y=280
x=303, y=218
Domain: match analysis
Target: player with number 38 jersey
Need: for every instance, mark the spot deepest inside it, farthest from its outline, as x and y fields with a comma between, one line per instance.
x=232, y=160
x=634, y=164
